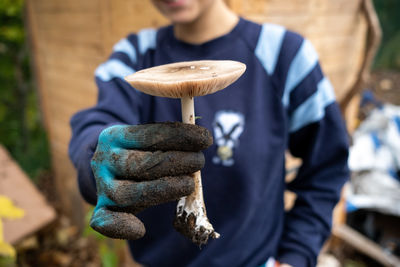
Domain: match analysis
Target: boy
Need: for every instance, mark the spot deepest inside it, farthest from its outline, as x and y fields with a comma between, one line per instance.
x=283, y=101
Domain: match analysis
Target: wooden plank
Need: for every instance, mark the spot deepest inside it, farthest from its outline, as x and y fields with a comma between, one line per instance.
x=59, y=145
x=295, y=6
x=80, y=39
x=364, y=245
x=61, y=129
x=121, y=22
x=61, y=124
x=65, y=102
x=67, y=185
x=343, y=24
x=351, y=114
x=86, y=89
x=66, y=171
x=372, y=46
x=74, y=70
x=68, y=99
x=305, y=24
x=293, y=22
x=341, y=85
x=61, y=121
x=55, y=48
x=70, y=21
x=61, y=141
x=60, y=152
x=57, y=6
x=71, y=35
x=15, y=185
x=63, y=113
x=62, y=36
x=69, y=27
x=106, y=25
x=69, y=76
x=284, y=8
x=34, y=44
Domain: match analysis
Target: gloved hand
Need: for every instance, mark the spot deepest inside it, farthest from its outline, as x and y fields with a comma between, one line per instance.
x=136, y=167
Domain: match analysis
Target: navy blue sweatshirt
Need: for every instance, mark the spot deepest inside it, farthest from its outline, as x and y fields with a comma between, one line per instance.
x=283, y=101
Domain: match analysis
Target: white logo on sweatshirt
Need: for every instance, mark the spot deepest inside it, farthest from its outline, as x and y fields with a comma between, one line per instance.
x=228, y=126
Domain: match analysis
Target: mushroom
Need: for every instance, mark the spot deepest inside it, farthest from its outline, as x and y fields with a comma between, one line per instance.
x=185, y=80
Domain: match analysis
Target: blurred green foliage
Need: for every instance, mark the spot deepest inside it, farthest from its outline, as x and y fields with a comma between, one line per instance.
x=389, y=16
x=109, y=249
x=7, y=262
x=21, y=130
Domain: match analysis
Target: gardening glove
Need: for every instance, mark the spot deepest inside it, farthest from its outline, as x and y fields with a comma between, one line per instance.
x=139, y=166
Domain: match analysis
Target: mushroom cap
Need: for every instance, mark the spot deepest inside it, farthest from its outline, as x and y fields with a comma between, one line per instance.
x=189, y=78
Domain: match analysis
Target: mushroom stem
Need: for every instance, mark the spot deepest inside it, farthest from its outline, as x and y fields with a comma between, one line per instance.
x=191, y=218
x=187, y=104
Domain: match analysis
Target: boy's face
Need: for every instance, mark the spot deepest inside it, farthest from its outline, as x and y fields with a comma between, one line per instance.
x=182, y=11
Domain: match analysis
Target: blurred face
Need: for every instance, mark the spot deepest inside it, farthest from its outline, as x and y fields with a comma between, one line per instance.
x=182, y=11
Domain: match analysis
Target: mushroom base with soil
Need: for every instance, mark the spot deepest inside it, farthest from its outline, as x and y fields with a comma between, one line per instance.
x=191, y=221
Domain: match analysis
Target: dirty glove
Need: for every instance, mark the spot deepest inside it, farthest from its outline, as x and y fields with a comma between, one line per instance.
x=136, y=167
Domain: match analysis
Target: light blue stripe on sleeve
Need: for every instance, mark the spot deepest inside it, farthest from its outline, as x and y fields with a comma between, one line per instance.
x=269, y=46
x=147, y=39
x=124, y=46
x=313, y=109
x=113, y=69
x=303, y=63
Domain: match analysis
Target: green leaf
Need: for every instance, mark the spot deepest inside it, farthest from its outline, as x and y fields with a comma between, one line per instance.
x=7, y=261
x=12, y=33
x=108, y=257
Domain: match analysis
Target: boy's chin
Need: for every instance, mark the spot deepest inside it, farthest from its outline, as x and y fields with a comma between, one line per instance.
x=183, y=18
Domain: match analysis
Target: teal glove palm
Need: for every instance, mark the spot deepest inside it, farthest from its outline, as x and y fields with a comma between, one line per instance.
x=136, y=167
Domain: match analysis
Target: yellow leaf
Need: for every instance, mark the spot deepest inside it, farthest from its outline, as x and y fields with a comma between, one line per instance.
x=8, y=210
x=7, y=250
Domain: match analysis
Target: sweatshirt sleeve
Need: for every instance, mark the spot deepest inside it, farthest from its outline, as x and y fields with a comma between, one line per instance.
x=118, y=103
x=317, y=135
